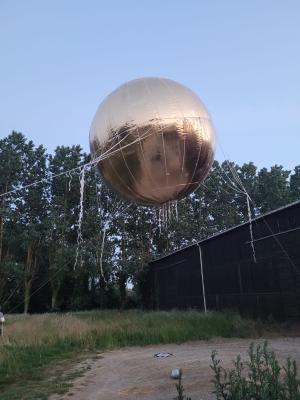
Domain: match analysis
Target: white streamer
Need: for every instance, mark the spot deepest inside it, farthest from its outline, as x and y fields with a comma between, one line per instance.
x=79, y=232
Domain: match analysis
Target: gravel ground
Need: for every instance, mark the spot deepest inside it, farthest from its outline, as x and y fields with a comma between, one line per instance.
x=134, y=373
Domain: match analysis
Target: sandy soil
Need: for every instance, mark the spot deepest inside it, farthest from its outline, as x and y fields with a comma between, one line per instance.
x=134, y=373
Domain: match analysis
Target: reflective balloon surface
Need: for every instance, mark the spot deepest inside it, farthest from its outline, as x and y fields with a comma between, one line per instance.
x=154, y=139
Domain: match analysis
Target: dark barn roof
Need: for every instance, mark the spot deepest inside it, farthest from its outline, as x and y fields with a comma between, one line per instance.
x=261, y=217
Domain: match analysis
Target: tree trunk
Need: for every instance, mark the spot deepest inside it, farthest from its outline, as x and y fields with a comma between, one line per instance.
x=102, y=289
x=55, y=291
x=122, y=288
x=53, y=278
x=27, y=291
x=122, y=277
x=1, y=236
x=2, y=229
x=28, y=277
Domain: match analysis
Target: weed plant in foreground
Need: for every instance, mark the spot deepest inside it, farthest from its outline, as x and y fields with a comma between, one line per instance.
x=259, y=378
x=34, y=342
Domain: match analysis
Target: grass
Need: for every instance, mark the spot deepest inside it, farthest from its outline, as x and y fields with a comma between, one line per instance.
x=35, y=348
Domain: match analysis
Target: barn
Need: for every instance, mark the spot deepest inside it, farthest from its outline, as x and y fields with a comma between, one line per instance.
x=253, y=267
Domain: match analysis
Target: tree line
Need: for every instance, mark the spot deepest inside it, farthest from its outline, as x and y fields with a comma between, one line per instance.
x=68, y=243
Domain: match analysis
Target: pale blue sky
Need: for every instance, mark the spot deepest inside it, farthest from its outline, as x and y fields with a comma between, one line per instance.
x=60, y=58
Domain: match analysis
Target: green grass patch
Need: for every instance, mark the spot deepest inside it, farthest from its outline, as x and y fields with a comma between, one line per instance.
x=34, y=345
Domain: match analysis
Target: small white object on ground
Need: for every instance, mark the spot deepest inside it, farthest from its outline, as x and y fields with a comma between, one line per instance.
x=176, y=373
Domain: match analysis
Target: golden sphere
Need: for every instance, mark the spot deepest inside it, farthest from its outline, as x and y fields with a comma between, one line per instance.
x=154, y=141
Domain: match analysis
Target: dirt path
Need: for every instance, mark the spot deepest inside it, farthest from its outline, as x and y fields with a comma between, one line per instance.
x=134, y=373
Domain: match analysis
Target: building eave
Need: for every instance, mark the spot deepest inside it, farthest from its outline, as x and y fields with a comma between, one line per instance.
x=199, y=242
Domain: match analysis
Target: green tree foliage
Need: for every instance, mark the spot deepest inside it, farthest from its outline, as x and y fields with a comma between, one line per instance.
x=273, y=189
x=30, y=214
x=48, y=262
x=295, y=184
x=26, y=209
x=11, y=150
x=62, y=217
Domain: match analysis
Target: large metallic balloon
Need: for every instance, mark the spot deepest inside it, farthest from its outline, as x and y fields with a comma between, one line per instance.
x=154, y=139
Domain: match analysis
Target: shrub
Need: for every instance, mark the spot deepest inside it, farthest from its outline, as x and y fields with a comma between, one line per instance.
x=260, y=378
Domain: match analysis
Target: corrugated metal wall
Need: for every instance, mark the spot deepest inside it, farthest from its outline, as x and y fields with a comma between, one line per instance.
x=232, y=278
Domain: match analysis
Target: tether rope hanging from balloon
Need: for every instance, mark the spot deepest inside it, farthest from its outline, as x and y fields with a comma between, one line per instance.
x=249, y=199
